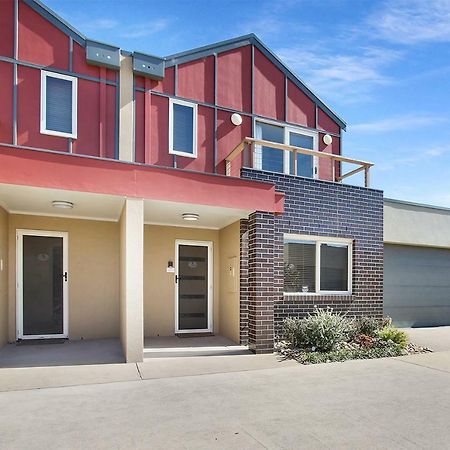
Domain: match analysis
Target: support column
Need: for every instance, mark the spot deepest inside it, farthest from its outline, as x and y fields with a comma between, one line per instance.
x=132, y=279
x=126, y=121
x=243, y=284
x=261, y=287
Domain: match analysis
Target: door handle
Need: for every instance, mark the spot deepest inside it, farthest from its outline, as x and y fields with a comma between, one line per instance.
x=64, y=275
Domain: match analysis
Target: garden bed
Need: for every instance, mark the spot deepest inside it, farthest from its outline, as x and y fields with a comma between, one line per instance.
x=331, y=337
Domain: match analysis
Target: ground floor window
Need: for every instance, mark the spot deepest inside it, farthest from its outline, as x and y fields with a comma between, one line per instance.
x=317, y=265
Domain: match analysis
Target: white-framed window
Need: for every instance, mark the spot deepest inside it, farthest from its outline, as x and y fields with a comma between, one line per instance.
x=317, y=265
x=58, y=104
x=275, y=160
x=182, y=128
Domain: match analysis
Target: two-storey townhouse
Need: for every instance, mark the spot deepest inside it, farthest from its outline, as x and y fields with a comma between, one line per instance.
x=198, y=193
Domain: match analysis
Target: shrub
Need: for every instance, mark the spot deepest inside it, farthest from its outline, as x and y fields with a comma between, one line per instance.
x=321, y=331
x=344, y=354
x=367, y=326
x=390, y=333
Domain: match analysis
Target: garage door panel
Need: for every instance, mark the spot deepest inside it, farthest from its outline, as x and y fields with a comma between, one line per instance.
x=429, y=316
x=418, y=296
x=417, y=285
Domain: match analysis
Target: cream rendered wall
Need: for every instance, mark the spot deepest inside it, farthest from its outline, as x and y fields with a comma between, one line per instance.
x=3, y=277
x=229, y=311
x=159, y=286
x=93, y=273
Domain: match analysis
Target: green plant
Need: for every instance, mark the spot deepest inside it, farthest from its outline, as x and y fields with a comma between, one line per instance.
x=390, y=333
x=321, y=331
x=367, y=326
x=345, y=354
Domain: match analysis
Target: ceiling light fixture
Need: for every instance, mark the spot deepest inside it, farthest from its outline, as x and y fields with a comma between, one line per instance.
x=62, y=204
x=190, y=216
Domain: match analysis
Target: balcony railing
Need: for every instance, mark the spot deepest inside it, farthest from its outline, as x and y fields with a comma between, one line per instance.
x=247, y=158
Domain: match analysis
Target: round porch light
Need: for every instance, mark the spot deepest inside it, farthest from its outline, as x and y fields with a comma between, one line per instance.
x=190, y=216
x=62, y=204
x=236, y=119
x=327, y=139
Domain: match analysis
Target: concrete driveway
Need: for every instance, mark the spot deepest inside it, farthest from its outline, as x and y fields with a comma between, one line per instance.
x=385, y=403
x=436, y=338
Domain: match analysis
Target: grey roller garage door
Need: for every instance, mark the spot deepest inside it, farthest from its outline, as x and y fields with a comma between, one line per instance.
x=417, y=285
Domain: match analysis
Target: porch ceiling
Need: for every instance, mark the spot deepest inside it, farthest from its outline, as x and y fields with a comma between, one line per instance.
x=170, y=213
x=38, y=201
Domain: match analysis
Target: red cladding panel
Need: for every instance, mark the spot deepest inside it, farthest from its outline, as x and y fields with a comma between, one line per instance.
x=87, y=142
x=7, y=28
x=79, y=62
x=166, y=85
x=268, y=89
x=28, y=110
x=326, y=123
x=139, y=130
x=228, y=137
x=160, y=132
x=325, y=167
x=110, y=121
x=196, y=80
x=205, y=144
x=301, y=109
x=40, y=42
x=234, y=79
x=6, y=102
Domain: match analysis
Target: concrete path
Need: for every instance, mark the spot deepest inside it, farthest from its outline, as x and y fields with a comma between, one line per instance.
x=436, y=338
x=385, y=403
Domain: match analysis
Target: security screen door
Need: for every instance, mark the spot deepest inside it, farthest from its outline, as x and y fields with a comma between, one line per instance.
x=42, y=285
x=193, y=287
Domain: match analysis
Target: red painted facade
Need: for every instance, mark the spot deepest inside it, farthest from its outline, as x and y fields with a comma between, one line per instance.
x=42, y=45
x=244, y=79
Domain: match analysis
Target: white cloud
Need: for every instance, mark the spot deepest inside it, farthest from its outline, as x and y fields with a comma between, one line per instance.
x=397, y=123
x=347, y=77
x=99, y=24
x=145, y=29
x=412, y=21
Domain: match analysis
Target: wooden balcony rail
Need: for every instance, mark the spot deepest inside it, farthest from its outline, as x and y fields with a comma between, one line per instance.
x=251, y=142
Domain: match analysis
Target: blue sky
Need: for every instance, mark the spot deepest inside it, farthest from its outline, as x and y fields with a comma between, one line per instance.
x=383, y=66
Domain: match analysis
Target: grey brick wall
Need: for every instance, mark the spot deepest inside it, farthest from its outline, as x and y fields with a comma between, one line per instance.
x=322, y=208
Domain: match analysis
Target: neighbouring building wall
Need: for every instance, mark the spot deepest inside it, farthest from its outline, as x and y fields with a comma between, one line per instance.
x=3, y=277
x=159, y=286
x=320, y=208
x=93, y=273
x=431, y=224
x=229, y=281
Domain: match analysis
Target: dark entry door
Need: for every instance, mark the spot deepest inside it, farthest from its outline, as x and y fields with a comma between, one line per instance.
x=193, y=288
x=43, y=290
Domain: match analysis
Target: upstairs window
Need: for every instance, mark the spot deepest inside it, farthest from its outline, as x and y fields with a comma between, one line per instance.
x=317, y=265
x=276, y=160
x=183, y=128
x=58, y=104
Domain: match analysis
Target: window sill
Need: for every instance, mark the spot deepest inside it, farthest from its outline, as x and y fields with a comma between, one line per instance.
x=316, y=294
x=58, y=134
x=185, y=155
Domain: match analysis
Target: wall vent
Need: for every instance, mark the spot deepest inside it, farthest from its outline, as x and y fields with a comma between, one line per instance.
x=148, y=66
x=99, y=54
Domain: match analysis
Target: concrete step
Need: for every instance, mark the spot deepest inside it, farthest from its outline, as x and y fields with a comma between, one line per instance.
x=166, y=352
